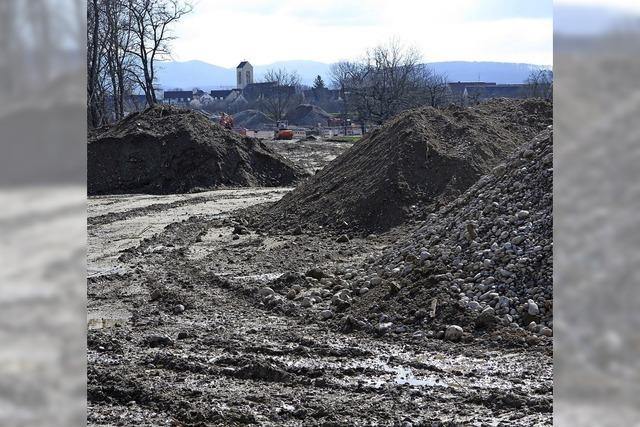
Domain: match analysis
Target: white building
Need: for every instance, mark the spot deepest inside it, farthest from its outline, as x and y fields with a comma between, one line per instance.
x=244, y=74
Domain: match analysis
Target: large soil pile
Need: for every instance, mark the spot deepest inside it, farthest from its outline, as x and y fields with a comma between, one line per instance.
x=484, y=260
x=165, y=150
x=420, y=157
x=252, y=119
x=308, y=115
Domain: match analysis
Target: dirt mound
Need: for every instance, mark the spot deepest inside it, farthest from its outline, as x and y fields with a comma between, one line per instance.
x=483, y=261
x=308, y=115
x=252, y=119
x=422, y=156
x=166, y=150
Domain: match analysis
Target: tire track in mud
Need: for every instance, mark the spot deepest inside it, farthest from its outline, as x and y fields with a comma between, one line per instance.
x=111, y=217
x=224, y=360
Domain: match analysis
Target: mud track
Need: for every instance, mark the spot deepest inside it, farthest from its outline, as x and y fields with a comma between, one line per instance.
x=177, y=335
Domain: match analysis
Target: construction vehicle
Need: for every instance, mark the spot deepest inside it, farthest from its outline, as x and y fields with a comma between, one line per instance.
x=226, y=121
x=283, y=131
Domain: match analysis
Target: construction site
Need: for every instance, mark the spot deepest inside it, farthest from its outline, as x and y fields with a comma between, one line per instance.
x=401, y=278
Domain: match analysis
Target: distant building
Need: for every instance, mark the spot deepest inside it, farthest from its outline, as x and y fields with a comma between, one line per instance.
x=178, y=97
x=465, y=93
x=244, y=73
x=220, y=95
x=483, y=93
x=253, y=91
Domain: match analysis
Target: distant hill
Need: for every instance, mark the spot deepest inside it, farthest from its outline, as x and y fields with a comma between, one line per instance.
x=499, y=72
x=191, y=74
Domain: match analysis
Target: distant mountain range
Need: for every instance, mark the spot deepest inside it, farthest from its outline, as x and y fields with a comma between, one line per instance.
x=191, y=74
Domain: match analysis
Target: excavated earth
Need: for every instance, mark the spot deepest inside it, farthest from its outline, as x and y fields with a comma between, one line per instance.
x=191, y=322
x=422, y=157
x=168, y=150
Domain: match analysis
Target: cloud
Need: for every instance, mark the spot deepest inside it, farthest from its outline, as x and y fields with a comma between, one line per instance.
x=224, y=32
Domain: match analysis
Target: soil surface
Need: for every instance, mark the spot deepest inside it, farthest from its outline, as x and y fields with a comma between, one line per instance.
x=181, y=334
x=309, y=155
x=167, y=150
x=421, y=157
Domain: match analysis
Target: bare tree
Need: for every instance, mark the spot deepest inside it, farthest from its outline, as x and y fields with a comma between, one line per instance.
x=387, y=81
x=125, y=39
x=540, y=84
x=391, y=72
x=151, y=21
x=433, y=86
x=282, y=95
x=350, y=78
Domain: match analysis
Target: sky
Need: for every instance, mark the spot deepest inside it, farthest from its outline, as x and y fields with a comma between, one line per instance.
x=225, y=32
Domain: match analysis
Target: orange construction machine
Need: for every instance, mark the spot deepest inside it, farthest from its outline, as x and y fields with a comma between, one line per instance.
x=283, y=131
x=226, y=121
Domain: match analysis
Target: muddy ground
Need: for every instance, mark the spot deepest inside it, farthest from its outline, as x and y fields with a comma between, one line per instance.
x=309, y=155
x=177, y=335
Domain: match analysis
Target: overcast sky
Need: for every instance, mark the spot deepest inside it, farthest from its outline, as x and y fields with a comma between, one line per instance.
x=224, y=32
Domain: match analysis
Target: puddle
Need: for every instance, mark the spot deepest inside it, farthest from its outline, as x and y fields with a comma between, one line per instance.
x=105, y=323
x=405, y=376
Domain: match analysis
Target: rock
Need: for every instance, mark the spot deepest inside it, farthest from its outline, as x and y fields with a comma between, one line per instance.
x=499, y=170
x=306, y=302
x=533, y=309
x=297, y=231
x=547, y=332
x=375, y=281
x=343, y=239
x=471, y=231
x=265, y=292
x=363, y=291
x=474, y=305
x=517, y=240
x=453, y=333
x=487, y=318
x=522, y=214
x=326, y=314
x=158, y=341
x=178, y=309
x=532, y=326
x=316, y=273
x=394, y=288
x=240, y=229
x=384, y=327
x=291, y=294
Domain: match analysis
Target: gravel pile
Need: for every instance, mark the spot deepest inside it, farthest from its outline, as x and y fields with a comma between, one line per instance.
x=308, y=115
x=482, y=263
x=166, y=150
x=422, y=157
x=252, y=119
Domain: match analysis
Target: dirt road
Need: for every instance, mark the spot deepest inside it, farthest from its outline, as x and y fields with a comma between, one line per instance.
x=179, y=335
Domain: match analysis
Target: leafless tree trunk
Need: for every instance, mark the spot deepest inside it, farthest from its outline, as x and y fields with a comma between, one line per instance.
x=94, y=53
x=151, y=21
x=283, y=95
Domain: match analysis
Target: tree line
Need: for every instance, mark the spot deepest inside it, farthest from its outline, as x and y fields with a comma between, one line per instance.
x=125, y=40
